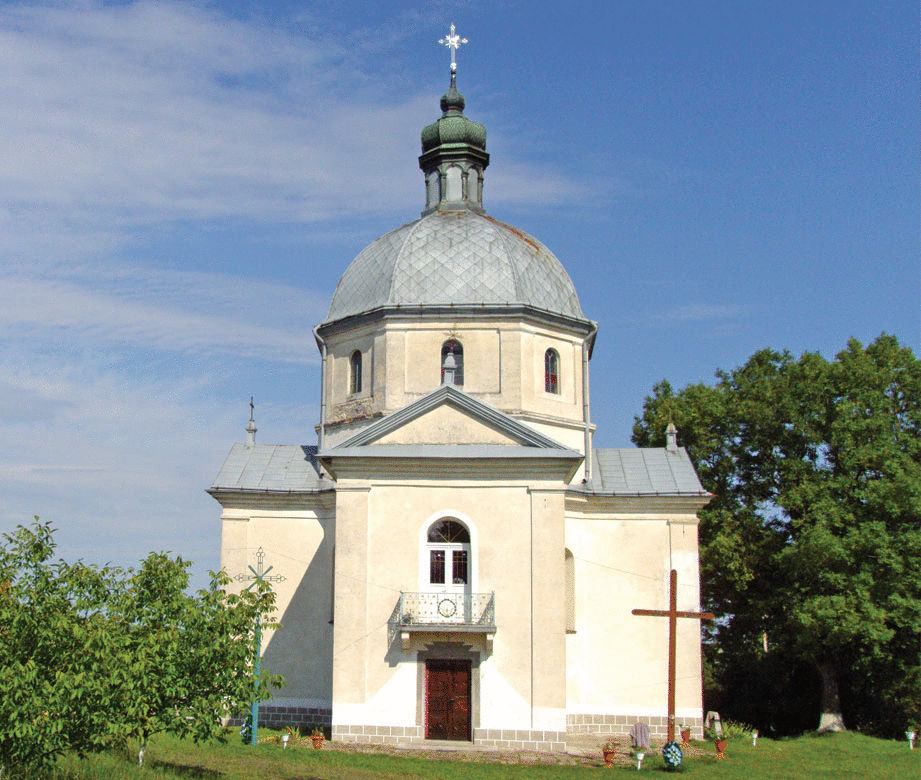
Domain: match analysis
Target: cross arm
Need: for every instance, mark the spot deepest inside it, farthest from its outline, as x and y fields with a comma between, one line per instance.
x=666, y=613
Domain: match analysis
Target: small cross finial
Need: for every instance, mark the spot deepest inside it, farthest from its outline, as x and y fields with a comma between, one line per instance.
x=453, y=41
x=251, y=426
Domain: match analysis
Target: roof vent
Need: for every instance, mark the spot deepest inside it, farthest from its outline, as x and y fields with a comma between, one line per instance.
x=671, y=437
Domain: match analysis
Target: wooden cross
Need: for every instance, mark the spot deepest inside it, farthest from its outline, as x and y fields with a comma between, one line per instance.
x=672, y=614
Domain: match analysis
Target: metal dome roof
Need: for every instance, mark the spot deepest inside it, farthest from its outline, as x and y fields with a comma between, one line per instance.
x=455, y=258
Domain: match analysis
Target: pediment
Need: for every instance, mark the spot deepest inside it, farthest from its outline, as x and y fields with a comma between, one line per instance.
x=449, y=416
x=446, y=424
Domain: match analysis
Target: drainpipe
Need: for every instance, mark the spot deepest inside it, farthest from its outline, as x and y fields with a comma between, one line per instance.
x=586, y=416
x=321, y=344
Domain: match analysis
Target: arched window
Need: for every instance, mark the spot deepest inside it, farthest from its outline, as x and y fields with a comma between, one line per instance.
x=355, y=372
x=473, y=185
x=448, y=544
x=454, y=184
x=453, y=346
x=433, y=189
x=552, y=371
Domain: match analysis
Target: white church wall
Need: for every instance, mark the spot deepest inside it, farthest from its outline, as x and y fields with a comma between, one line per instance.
x=297, y=543
x=514, y=526
x=622, y=562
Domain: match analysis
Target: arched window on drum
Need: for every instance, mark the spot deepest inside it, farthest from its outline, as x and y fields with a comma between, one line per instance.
x=552, y=372
x=453, y=347
x=355, y=372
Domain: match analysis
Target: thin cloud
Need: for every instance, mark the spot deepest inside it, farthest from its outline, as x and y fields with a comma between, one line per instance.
x=120, y=463
x=168, y=311
x=122, y=116
x=698, y=312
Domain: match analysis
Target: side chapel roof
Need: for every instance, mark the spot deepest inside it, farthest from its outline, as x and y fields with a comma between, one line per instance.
x=286, y=468
x=643, y=471
x=271, y=468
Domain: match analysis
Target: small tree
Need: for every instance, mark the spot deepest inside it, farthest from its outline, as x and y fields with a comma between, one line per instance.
x=55, y=642
x=186, y=659
x=95, y=656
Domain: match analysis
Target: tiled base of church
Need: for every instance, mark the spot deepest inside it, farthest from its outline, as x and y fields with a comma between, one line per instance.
x=299, y=717
x=515, y=739
x=620, y=725
x=377, y=735
x=507, y=739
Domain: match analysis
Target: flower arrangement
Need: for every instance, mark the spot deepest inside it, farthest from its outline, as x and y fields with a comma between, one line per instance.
x=246, y=730
x=608, y=749
x=317, y=732
x=672, y=755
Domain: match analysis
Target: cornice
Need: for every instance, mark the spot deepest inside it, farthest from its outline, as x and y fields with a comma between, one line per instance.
x=584, y=328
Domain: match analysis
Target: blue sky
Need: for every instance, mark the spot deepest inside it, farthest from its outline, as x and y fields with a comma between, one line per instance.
x=183, y=183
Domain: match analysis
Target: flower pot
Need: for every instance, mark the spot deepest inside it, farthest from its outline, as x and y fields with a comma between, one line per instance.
x=317, y=742
x=721, y=748
x=685, y=738
x=608, y=756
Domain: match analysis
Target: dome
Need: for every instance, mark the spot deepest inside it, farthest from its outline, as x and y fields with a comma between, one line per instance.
x=455, y=258
x=453, y=127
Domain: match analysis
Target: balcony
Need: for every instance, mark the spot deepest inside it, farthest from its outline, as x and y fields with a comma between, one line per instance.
x=470, y=613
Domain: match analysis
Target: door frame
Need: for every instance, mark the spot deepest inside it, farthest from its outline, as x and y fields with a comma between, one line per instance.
x=451, y=665
x=449, y=651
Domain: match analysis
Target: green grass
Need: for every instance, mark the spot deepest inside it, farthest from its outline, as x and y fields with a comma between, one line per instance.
x=838, y=756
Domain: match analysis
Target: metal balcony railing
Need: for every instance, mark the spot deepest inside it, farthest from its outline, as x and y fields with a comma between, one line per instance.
x=470, y=612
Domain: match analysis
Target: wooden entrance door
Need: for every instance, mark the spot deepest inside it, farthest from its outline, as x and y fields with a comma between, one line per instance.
x=447, y=699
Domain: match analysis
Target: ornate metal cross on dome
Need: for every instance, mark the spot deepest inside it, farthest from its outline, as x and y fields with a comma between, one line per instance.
x=258, y=575
x=672, y=614
x=453, y=42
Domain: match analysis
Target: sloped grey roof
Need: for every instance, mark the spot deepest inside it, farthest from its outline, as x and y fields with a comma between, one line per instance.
x=648, y=471
x=270, y=467
x=455, y=257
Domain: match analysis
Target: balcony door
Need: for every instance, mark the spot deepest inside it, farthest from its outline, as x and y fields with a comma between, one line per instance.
x=448, y=549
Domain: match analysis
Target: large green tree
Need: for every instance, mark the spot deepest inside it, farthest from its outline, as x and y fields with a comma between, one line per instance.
x=811, y=548
x=95, y=656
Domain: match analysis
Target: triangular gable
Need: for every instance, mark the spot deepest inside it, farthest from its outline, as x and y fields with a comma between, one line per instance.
x=449, y=416
x=446, y=424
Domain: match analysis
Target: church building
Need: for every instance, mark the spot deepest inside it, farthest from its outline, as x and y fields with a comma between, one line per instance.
x=453, y=559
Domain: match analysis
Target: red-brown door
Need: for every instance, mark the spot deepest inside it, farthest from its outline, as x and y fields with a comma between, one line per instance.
x=447, y=699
